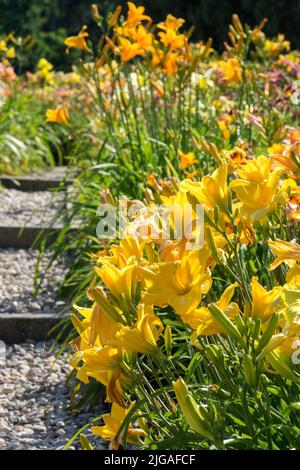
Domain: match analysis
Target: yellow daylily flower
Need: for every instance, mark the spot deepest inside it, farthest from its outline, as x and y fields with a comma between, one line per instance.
x=201, y=319
x=130, y=248
x=142, y=338
x=257, y=188
x=142, y=37
x=212, y=191
x=287, y=252
x=113, y=422
x=78, y=42
x=291, y=298
x=181, y=219
x=274, y=48
x=293, y=276
x=235, y=158
x=44, y=64
x=3, y=45
x=230, y=70
x=120, y=282
x=264, y=302
x=103, y=327
x=179, y=284
x=97, y=361
x=11, y=53
x=59, y=115
x=290, y=347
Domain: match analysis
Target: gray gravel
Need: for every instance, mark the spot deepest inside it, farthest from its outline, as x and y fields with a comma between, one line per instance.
x=34, y=399
x=37, y=209
x=17, y=268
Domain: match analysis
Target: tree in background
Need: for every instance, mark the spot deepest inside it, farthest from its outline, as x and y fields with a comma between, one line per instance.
x=50, y=21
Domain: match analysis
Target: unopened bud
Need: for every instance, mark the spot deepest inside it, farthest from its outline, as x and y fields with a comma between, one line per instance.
x=280, y=365
x=225, y=323
x=114, y=19
x=168, y=340
x=237, y=23
x=249, y=371
x=213, y=150
x=95, y=13
x=190, y=410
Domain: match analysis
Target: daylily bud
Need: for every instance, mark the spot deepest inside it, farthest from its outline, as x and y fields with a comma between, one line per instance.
x=279, y=134
x=226, y=324
x=207, y=48
x=273, y=343
x=240, y=324
x=280, y=365
x=99, y=296
x=168, y=339
x=85, y=443
x=216, y=215
x=268, y=333
x=149, y=195
x=212, y=245
x=249, y=371
x=95, y=13
x=213, y=353
x=195, y=143
x=114, y=19
x=237, y=23
x=213, y=150
x=106, y=197
x=205, y=145
x=191, y=410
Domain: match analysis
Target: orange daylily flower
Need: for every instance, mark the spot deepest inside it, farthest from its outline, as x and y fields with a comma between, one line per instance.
x=170, y=65
x=186, y=159
x=78, y=42
x=129, y=50
x=135, y=15
x=171, y=40
x=59, y=115
x=171, y=23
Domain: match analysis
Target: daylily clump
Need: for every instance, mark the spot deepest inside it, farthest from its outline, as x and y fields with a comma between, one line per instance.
x=153, y=287
x=192, y=320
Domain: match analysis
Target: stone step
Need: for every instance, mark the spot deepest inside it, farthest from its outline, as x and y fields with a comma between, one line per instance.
x=29, y=184
x=24, y=237
x=40, y=182
x=17, y=327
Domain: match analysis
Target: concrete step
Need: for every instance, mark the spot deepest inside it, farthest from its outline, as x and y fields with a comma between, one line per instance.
x=17, y=327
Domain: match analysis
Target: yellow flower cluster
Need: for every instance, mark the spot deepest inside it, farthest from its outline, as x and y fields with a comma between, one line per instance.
x=231, y=284
x=144, y=274
x=45, y=71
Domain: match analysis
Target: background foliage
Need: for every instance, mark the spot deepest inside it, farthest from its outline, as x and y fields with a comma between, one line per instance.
x=50, y=21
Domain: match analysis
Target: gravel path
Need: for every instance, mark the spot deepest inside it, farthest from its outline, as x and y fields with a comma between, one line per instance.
x=19, y=208
x=34, y=399
x=17, y=268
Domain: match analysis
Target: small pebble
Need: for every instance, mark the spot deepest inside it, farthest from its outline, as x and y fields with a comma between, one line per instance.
x=34, y=400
